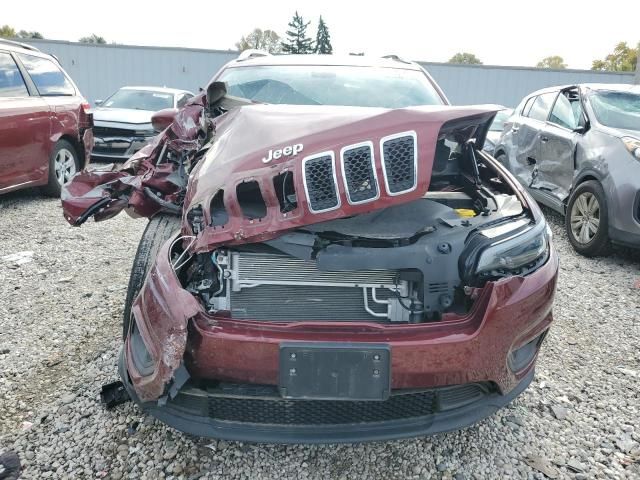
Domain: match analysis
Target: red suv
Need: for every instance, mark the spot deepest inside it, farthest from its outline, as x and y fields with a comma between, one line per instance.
x=45, y=123
x=331, y=257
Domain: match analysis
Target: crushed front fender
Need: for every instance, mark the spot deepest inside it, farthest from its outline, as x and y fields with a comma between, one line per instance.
x=161, y=313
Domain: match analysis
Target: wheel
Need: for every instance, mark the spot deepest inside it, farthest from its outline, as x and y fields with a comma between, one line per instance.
x=587, y=220
x=63, y=164
x=158, y=231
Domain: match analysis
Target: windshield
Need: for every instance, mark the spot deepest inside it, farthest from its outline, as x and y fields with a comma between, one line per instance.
x=498, y=121
x=331, y=85
x=617, y=109
x=139, y=100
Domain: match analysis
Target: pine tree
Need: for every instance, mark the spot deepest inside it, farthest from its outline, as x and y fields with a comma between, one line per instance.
x=323, y=39
x=297, y=41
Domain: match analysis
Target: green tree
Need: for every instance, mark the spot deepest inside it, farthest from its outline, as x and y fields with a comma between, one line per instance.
x=25, y=34
x=93, y=38
x=266, y=40
x=466, y=58
x=323, y=39
x=7, y=32
x=555, y=61
x=622, y=59
x=297, y=40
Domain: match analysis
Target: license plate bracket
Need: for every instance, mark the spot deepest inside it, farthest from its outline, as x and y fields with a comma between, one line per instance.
x=335, y=371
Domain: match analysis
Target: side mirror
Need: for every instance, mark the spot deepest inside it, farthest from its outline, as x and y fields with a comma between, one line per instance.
x=580, y=129
x=163, y=118
x=97, y=103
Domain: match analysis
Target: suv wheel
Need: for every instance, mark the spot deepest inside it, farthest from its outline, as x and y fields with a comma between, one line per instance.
x=158, y=231
x=587, y=220
x=63, y=164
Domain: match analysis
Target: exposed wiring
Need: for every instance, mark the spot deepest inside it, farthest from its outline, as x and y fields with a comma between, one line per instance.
x=176, y=264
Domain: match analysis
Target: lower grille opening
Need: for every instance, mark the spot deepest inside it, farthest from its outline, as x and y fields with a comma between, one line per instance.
x=261, y=404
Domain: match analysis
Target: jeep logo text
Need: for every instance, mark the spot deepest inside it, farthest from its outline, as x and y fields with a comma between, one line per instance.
x=287, y=151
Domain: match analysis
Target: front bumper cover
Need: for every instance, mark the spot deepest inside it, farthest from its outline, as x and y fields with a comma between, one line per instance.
x=208, y=414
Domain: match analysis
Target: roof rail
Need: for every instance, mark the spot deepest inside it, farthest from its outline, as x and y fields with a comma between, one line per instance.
x=397, y=58
x=18, y=44
x=252, y=53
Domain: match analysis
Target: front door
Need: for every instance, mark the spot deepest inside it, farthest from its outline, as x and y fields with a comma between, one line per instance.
x=529, y=133
x=556, y=165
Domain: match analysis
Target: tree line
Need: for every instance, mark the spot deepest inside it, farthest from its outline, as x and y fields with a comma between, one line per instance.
x=623, y=58
x=295, y=42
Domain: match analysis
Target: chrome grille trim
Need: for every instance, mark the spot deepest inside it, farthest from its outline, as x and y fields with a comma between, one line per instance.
x=390, y=170
x=370, y=174
x=313, y=187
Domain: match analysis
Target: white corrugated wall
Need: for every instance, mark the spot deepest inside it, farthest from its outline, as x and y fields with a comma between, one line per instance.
x=99, y=70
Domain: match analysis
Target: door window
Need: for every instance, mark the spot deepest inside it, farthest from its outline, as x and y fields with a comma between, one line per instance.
x=527, y=106
x=11, y=81
x=541, y=106
x=49, y=79
x=566, y=111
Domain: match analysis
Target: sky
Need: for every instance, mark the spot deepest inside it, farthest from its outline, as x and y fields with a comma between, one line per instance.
x=498, y=32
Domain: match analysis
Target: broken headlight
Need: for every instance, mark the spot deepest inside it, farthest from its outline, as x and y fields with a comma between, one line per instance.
x=514, y=254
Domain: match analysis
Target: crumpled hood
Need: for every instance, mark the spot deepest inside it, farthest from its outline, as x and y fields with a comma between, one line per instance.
x=257, y=143
x=122, y=115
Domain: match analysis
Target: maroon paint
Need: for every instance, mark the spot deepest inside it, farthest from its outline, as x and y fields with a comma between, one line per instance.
x=163, y=118
x=125, y=183
x=245, y=136
x=162, y=324
x=471, y=348
x=30, y=127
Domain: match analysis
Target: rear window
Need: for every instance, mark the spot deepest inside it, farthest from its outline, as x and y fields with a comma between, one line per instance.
x=47, y=76
x=541, y=106
x=11, y=81
x=331, y=85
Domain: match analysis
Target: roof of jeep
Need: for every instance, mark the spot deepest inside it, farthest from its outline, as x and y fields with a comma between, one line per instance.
x=333, y=60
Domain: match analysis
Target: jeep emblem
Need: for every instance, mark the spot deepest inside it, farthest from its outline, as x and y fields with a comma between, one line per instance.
x=287, y=151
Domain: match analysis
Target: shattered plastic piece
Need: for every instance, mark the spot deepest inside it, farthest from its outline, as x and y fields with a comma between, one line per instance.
x=18, y=258
x=113, y=394
x=542, y=465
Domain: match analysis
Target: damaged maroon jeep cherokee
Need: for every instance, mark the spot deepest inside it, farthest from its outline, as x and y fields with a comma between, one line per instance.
x=330, y=257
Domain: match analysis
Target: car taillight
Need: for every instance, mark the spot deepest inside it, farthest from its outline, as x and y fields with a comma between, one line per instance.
x=86, y=108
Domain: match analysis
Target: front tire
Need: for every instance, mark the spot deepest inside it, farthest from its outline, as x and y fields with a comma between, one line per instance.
x=158, y=231
x=587, y=220
x=63, y=164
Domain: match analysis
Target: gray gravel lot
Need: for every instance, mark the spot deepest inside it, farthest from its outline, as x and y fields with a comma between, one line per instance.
x=60, y=317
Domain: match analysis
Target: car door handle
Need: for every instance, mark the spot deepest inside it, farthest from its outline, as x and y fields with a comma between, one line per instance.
x=544, y=138
x=531, y=161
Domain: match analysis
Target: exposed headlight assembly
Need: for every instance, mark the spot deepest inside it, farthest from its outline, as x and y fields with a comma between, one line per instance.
x=633, y=145
x=513, y=248
x=513, y=253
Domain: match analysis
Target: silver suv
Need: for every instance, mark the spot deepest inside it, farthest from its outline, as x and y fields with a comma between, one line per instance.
x=577, y=150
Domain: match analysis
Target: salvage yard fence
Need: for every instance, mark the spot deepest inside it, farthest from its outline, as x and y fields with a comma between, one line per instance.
x=99, y=70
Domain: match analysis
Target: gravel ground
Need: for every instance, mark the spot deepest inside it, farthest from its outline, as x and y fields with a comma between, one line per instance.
x=60, y=315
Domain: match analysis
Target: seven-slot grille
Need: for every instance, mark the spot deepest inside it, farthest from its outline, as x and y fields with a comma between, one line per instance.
x=359, y=173
x=320, y=183
x=399, y=162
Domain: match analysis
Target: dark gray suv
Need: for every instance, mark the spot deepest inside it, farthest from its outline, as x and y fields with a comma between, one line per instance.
x=577, y=150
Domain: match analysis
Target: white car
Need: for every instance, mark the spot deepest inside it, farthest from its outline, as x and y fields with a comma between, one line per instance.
x=122, y=122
